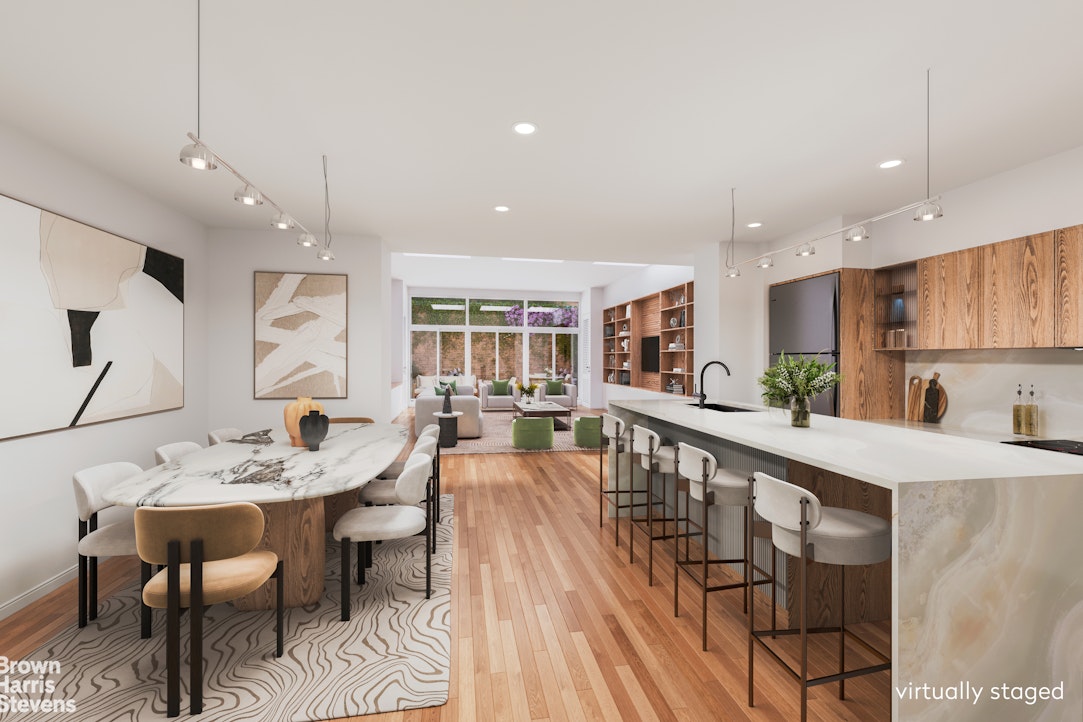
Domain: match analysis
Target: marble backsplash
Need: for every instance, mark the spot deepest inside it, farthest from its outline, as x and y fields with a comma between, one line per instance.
x=981, y=387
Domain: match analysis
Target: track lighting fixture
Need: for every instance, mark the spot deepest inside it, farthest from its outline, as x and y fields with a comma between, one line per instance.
x=307, y=240
x=732, y=272
x=248, y=196
x=928, y=211
x=282, y=222
x=857, y=233
x=765, y=262
x=197, y=157
x=805, y=250
x=325, y=254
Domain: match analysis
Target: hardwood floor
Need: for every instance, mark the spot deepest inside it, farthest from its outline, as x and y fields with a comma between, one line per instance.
x=552, y=623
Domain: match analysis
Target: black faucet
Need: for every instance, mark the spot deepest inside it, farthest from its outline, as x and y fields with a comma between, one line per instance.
x=702, y=395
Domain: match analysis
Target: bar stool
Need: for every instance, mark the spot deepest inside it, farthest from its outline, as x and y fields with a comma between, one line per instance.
x=700, y=478
x=613, y=434
x=653, y=456
x=804, y=529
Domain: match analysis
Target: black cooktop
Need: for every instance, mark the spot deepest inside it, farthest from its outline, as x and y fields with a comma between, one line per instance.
x=1063, y=445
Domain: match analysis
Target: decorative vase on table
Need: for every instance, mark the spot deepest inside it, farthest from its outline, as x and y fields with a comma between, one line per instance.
x=447, y=401
x=800, y=411
x=313, y=429
x=292, y=416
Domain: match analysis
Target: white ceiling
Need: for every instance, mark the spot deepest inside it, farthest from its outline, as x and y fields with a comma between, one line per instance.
x=648, y=112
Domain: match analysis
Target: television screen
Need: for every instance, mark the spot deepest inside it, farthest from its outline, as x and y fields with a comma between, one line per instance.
x=648, y=354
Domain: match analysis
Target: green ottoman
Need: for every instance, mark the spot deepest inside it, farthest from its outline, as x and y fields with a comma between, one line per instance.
x=588, y=431
x=532, y=433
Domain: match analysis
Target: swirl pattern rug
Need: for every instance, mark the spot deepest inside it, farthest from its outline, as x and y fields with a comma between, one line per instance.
x=394, y=653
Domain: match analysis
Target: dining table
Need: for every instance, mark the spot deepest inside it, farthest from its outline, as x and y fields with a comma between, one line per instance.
x=291, y=484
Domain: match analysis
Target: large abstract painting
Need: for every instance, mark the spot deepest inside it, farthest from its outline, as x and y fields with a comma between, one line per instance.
x=300, y=335
x=93, y=324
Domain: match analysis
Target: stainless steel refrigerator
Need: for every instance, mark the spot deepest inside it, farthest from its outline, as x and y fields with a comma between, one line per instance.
x=803, y=320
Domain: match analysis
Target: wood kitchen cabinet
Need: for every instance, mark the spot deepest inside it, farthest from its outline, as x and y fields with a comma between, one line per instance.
x=1068, y=250
x=1018, y=292
x=949, y=300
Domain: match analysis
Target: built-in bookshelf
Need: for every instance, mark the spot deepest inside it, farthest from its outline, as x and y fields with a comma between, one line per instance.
x=669, y=317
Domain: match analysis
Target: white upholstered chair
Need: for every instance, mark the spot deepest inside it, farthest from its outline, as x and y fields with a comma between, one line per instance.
x=224, y=434
x=112, y=540
x=380, y=523
x=699, y=475
x=171, y=452
x=381, y=490
x=804, y=529
x=613, y=435
x=654, y=457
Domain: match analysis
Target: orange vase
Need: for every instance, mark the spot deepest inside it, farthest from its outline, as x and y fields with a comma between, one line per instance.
x=292, y=416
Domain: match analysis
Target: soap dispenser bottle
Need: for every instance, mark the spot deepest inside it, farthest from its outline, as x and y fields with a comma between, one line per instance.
x=1030, y=419
x=1018, y=411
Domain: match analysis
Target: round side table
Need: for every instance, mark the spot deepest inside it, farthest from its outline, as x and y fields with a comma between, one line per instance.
x=449, y=428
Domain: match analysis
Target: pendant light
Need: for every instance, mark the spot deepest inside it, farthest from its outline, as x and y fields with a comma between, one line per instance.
x=248, y=196
x=325, y=253
x=282, y=222
x=765, y=262
x=928, y=210
x=196, y=155
x=732, y=271
x=857, y=233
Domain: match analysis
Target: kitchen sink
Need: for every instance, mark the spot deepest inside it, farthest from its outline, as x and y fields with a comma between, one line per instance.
x=722, y=407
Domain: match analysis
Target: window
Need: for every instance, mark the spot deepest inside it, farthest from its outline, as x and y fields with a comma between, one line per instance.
x=486, y=312
x=438, y=311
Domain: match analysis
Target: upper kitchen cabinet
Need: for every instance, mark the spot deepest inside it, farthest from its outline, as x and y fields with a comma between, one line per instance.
x=949, y=300
x=1069, y=289
x=1018, y=292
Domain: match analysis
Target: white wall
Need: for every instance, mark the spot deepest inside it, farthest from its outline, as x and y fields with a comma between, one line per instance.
x=38, y=527
x=235, y=256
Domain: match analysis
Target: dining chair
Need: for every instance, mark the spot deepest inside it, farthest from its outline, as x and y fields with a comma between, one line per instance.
x=209, y=558
x=402, y=520
x=654, y=456
x=381, y=490
x=172, y=452
x=112, y=540
x=224, y=434
x=804, y=529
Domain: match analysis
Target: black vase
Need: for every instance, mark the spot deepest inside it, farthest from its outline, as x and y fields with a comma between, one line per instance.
x=313, y=429
x=447, y=400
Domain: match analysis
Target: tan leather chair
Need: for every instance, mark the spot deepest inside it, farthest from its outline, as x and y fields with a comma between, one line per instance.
x=207, y=551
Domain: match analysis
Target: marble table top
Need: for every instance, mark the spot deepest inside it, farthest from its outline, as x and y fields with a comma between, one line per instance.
x=350, y=456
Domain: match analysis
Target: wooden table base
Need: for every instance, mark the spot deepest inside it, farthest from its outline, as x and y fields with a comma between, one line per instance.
x=294, y=530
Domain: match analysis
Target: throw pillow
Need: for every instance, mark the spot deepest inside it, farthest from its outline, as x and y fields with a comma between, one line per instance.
x=449, y=384
x=554, y=388
x=500, y=388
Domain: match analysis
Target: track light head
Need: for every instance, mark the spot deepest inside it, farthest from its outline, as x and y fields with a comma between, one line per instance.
x=805, y=250
x=248, y=196
x=928, y=212
x=282, y=222
x=307, y=240
x=765, y=262
x=857, y=233
x=197, y=157
x=732, y=272
x=325, y=254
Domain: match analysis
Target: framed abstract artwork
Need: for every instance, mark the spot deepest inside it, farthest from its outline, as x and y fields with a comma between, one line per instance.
x=93, y=324
x=300, y=335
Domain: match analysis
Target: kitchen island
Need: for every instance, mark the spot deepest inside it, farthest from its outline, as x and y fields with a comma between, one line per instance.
x=986, y=571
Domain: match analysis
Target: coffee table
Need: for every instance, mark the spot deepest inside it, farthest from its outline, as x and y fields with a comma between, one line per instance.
x=545, y=408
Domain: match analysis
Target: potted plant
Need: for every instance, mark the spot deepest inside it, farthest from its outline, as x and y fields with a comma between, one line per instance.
x=796, y=380
x=527, y=390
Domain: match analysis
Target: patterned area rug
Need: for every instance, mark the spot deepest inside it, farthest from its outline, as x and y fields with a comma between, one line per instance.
x=394, y=654
x=496, y=437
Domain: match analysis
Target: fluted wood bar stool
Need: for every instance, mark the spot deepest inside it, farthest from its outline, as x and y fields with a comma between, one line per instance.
x=653, y=456
x=804, y=529
x=613, y=434
x=700, y=477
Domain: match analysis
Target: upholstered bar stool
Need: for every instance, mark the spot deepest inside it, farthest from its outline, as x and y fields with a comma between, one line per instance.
x=613, y=434
x=804, y=529
x=654, y=457
x=699, y=476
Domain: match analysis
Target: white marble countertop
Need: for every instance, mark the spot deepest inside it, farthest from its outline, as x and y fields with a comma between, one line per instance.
x=350, y=456
x=880, y=454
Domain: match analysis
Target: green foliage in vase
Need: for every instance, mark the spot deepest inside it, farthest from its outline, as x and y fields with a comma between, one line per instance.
x=796, y=377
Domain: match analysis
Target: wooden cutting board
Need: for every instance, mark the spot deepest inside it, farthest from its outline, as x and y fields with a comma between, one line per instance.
x=915, y=399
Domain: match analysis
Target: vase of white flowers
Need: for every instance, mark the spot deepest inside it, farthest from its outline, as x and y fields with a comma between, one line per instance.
x=795, y=381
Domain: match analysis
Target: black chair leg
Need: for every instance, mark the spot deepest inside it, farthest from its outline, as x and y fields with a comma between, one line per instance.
x=144, y=610
x=82, y=590
x=368, y=555
x=281, y=604
x=363, y=553
x=195, y=621
x=345, y=584
x=172, y=632
x=92, y=595
x=429, y=549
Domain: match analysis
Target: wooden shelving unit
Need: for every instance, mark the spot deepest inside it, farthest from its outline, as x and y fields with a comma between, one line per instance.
x=669, y=315
x=896, y=307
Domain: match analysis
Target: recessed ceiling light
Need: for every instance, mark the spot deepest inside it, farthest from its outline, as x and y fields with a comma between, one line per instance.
x=524, y=128
x=891, y=164
x=754, y=224
x=501, y=209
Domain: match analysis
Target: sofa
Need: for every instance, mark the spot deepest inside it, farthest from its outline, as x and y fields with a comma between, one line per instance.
x=469, y=423
x=568, y=398
x=464, y=385
x=490, y=401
